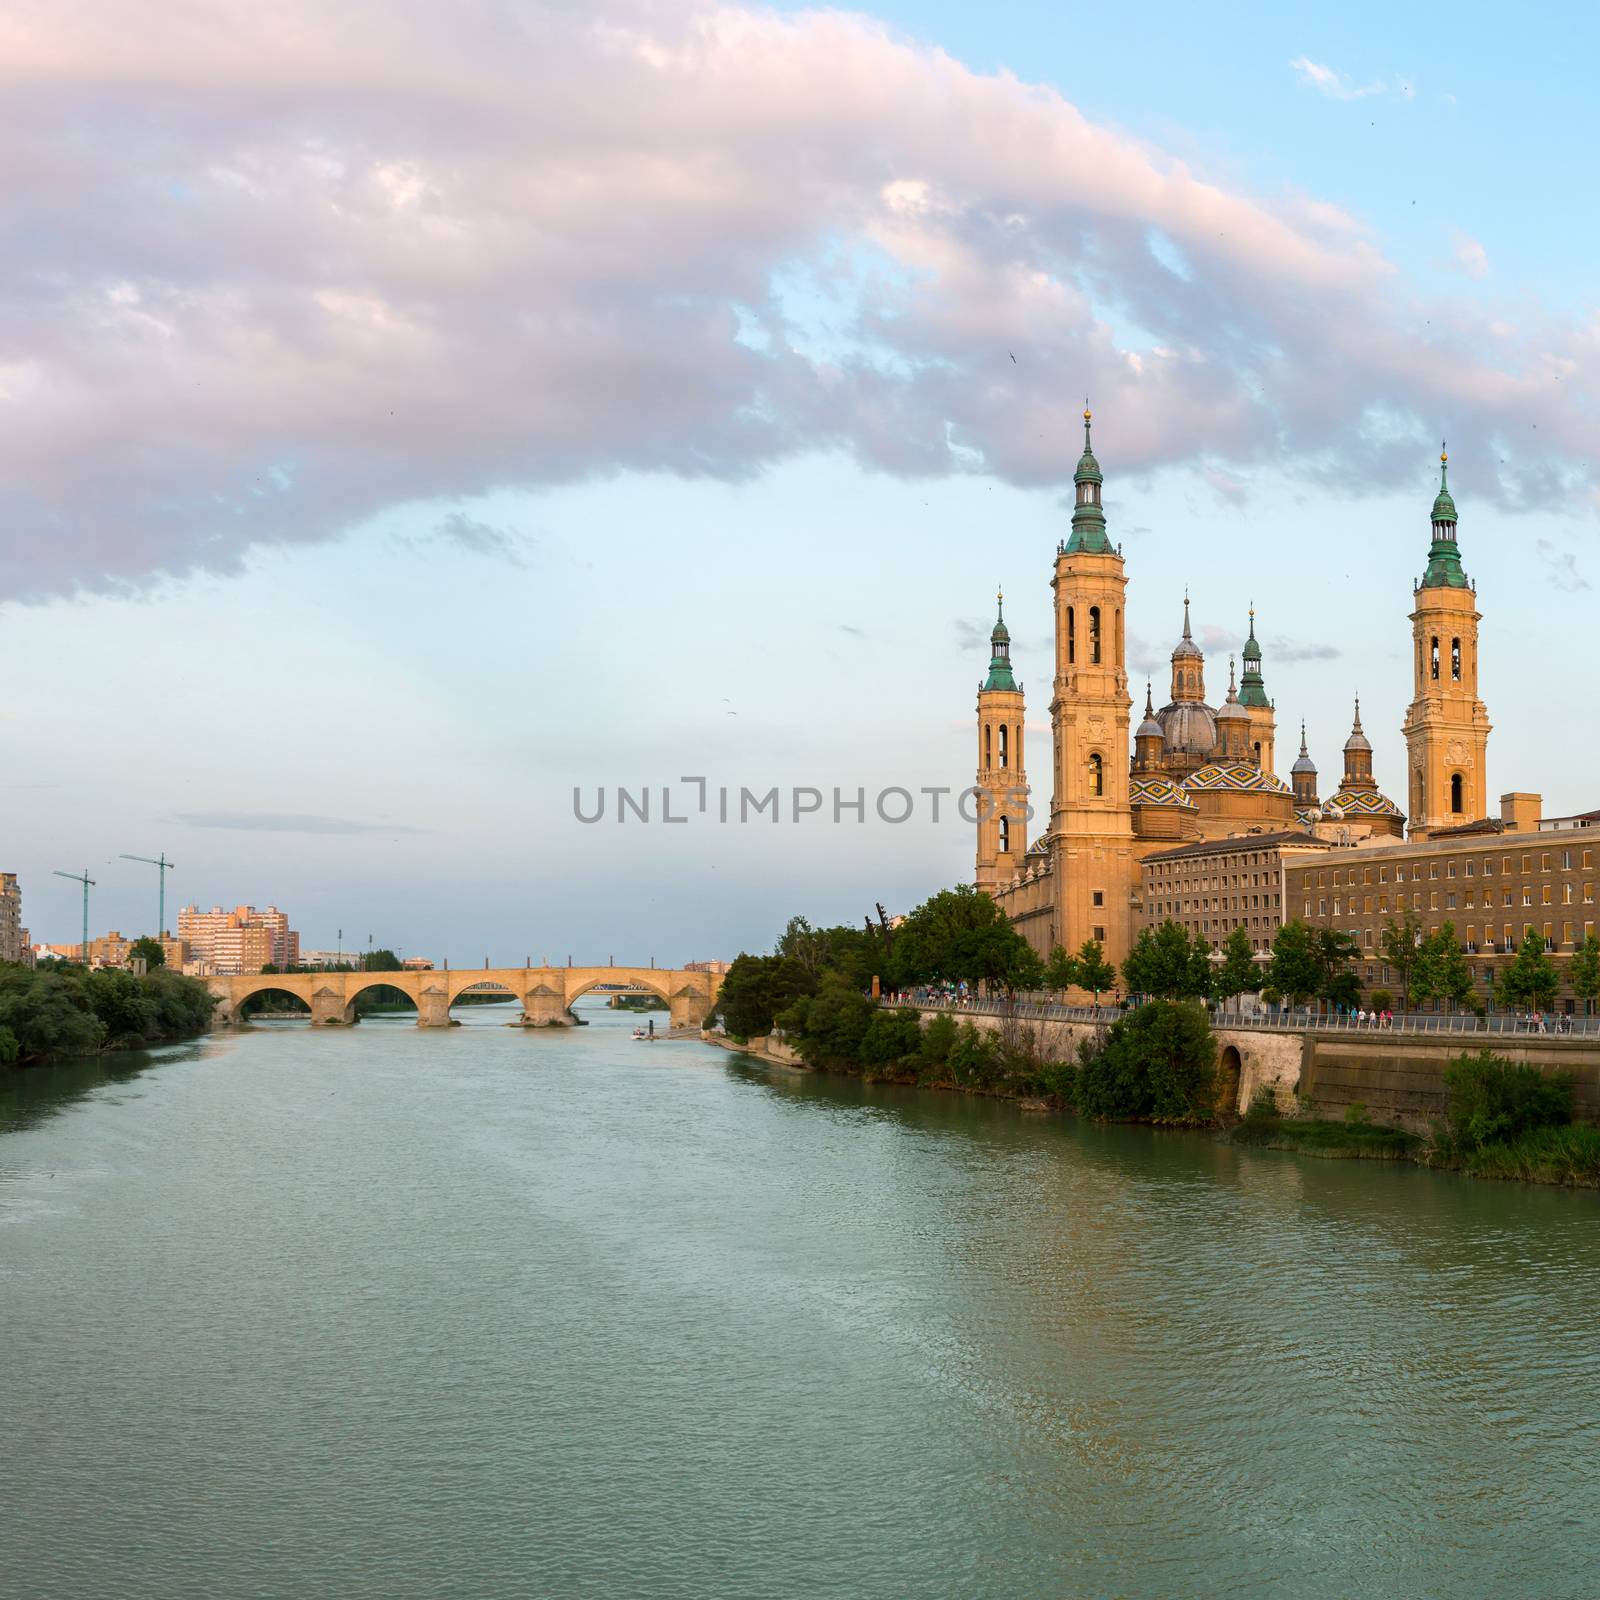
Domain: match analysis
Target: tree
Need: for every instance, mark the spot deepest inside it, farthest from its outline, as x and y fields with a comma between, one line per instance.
x=1091, y=969
x=1156, y=1064
x=1531, y=981
x=149, y=951
x=961, y=936
x=757, y=988
x=1163, y=964
x=1060, y=971
x=1295, y=969
x=1398, y=946
x=1335, y=951
x=1237, y=975
x=1441, y=971
x=381, y=961
x=1583, y=972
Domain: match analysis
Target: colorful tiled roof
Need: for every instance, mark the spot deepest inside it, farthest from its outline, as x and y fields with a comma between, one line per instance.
x=1237, y=775
x=1158, y=791
x=1370, y=804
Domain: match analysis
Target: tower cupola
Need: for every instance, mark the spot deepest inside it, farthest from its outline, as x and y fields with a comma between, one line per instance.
x=1088, y=515
x=1303, y=776
x=1188, y=664
x=1000, y=675
x=1148, y=739
x=1358, y=757
x=1233, y=724
x=1444, y=554
x=1252, y=687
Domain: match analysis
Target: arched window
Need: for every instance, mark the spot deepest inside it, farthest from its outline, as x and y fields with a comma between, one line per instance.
x=1005, y=834
x=1097, y=775
x=1094, y=634
x=1116, y=642
x=1072, y=637
x=1005, y=748
x=1435, y=660
x=1455, y=661
x=1455, y=792
x=1257, y=748
x=988, y=748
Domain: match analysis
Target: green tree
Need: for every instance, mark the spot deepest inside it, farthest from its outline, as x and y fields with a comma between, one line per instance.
x=757, y=988
x=1091, y=969
x=1492, y=1099
x=1398, y=946
x=1296, y=970
x=1531, y=981
x=1157, y=1064
x=1335, y=951
x=829, y=1027
x=1238, y=974
x=1163, y=964
x=381, y=961
x=1583, y=972
x=1060, y=971
x=1451, y=976
x=961, y=936
x=147, y=949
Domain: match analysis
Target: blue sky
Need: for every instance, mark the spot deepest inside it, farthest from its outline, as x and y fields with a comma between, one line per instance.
x=381, y=482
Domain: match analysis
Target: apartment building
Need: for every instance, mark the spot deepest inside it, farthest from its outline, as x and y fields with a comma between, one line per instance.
x=1217, y=885
x=239, y=941
x=13, y=936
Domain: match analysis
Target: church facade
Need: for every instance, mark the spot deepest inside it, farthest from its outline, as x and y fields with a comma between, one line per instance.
x=1192, y=770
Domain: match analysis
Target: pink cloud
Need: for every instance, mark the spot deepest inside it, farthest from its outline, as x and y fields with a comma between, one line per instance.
x=267, y=279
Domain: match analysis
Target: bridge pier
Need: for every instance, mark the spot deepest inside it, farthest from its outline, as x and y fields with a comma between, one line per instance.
x=433, y=1007
x=545, y=1007
x=330, y=1009
x=688, y=1008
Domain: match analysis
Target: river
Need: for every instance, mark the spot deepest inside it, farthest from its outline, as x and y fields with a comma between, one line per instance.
x=395, y=1313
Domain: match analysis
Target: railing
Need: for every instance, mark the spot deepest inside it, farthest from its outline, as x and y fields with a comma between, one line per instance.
x=1282, y=1020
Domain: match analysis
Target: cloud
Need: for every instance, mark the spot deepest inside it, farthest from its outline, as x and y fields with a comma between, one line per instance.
x=286, y=822
x=1290, y=650
x=1334, y=84
x=265, y=282
x=855, y=633
x=1469, y=257
x=1561, y=567
x=480, y=538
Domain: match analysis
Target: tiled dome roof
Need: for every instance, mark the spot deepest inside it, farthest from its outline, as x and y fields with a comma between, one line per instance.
x=1370, y=804
x=1236, y=775
x=1158, y=791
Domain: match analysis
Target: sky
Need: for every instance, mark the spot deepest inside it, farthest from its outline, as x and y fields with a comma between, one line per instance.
x=419, y=421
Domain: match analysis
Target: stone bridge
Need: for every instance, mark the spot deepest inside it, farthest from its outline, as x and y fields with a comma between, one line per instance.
x=546, y=994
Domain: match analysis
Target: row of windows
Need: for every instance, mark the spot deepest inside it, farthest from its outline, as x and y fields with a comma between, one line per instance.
x=1418, y=870
x=1363, y=904
x=1004, y=745
x=1509, y=937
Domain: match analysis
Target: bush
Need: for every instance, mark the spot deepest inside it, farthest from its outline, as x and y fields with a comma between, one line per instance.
x=974, y=1058
x=1381, y=1000
x=1493, y=1100
x=1356, y=1113
x=890, y=1037
x=1157, y=1064
x=1263, y=1107
x=937, y=1041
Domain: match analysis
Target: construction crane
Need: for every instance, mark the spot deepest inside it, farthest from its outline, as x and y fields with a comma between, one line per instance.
x=162, y=866
x=88, y=883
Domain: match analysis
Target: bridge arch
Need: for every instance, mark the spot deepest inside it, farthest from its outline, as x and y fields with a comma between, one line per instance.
x=652, y=980
x=273, y=984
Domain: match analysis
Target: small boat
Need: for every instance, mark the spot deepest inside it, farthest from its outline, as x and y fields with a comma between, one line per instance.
x=639, y=1033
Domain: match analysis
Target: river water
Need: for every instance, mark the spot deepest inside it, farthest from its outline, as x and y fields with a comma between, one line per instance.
x=389, y=1313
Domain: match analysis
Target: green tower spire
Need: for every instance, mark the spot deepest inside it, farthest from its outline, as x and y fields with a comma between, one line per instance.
x=1252, y=687
x=1088, y=517
x=1444, y=555
x=1000, y=645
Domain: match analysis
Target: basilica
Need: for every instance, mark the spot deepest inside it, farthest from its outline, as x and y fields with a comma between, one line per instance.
x=1192, y=770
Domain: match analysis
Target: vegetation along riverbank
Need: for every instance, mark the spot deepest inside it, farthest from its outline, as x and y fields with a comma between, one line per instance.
x=46, y=1013
x=1156, y=1064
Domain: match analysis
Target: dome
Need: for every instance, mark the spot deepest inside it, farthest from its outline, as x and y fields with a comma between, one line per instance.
x=1239, y=776
x=1365, y=805
x=1158, y=792
x=1444, y=505
x=1231, y=710
x=1040, y=846
x=1307, y=819
x=1188, y=727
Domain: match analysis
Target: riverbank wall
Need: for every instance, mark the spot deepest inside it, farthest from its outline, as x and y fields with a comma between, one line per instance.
x=1398, y=1077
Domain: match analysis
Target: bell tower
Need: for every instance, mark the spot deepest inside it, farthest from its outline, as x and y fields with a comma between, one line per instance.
x=1091, y=821
x=1253, y=697
x=1447, y=725
x=1002, y=786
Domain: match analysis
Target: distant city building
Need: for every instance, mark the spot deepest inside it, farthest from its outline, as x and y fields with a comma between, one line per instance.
x=13, y=936
x=708, y=966
x=416, y=964
x=328, y=959
x=243, y=940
